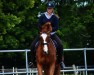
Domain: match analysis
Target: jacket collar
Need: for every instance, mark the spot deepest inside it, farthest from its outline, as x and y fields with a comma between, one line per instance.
x=47, y=16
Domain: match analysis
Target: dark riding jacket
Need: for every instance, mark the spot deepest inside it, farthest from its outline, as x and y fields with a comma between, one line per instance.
x=53, y=19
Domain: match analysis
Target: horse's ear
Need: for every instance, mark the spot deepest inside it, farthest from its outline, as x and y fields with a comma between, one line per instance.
x=40, y=32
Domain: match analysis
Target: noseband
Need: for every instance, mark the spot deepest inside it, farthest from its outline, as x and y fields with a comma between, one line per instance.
x=46, y=40
x=45, y=43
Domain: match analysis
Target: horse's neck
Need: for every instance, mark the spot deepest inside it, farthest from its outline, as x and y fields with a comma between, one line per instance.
x=49, y=44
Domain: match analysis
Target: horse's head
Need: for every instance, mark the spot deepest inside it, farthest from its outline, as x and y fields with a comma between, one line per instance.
x=45, y=35
x=46, y=28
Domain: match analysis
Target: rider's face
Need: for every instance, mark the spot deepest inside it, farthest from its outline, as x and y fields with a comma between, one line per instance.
x=49, y=10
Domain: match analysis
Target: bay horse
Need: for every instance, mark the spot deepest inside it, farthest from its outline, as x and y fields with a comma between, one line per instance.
x=46, y=53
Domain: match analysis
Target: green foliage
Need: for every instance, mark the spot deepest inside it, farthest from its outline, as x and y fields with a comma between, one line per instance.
x=13, y=23
x=74, y=24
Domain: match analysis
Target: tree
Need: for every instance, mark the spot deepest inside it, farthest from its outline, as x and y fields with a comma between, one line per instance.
x=15, y=27
x=13, y=15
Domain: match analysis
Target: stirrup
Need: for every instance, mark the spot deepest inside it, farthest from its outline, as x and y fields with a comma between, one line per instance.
x=62, y=65
x=31, y=65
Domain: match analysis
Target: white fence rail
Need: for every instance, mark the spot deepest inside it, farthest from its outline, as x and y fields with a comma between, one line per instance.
x=26, y=56
x=31, y=71
x=27, y=71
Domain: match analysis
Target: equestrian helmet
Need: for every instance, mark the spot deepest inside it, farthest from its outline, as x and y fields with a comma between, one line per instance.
x=50, y=4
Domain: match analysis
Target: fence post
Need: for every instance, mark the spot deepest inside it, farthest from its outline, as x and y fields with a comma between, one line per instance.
x=3, y=69
x=85, y=61
x=74, y=68
x=16, y=71
x=63, y=72
x=30, y=71
x=83, y=72
x=26, y=61
x=77, y=70
x=13, y=70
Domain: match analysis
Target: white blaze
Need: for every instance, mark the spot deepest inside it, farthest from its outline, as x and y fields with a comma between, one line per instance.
x=44, y=41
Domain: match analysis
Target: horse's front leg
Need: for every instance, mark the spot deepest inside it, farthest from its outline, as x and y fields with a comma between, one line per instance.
x=39, y=67
x=51, y=69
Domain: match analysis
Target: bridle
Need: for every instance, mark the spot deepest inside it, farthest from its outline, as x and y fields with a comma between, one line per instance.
x=46, y=40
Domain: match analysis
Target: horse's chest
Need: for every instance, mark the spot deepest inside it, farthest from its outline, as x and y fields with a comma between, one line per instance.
x=43, y=57
x=46, y=58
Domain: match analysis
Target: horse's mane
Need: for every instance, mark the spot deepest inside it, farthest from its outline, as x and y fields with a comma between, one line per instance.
x=46, y=27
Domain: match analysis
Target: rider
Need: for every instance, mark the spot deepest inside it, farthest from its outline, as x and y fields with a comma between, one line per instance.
x=49, y=16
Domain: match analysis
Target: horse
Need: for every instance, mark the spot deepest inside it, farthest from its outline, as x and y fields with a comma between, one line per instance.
x=46, y=53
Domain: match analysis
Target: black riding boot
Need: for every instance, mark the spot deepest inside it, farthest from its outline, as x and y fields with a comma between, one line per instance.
x=33, y=50
x=33, y=55
x=60, y=56
x=59, y=53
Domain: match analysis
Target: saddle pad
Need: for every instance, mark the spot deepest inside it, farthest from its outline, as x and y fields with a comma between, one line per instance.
x=36, y=45
x=55, y=43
